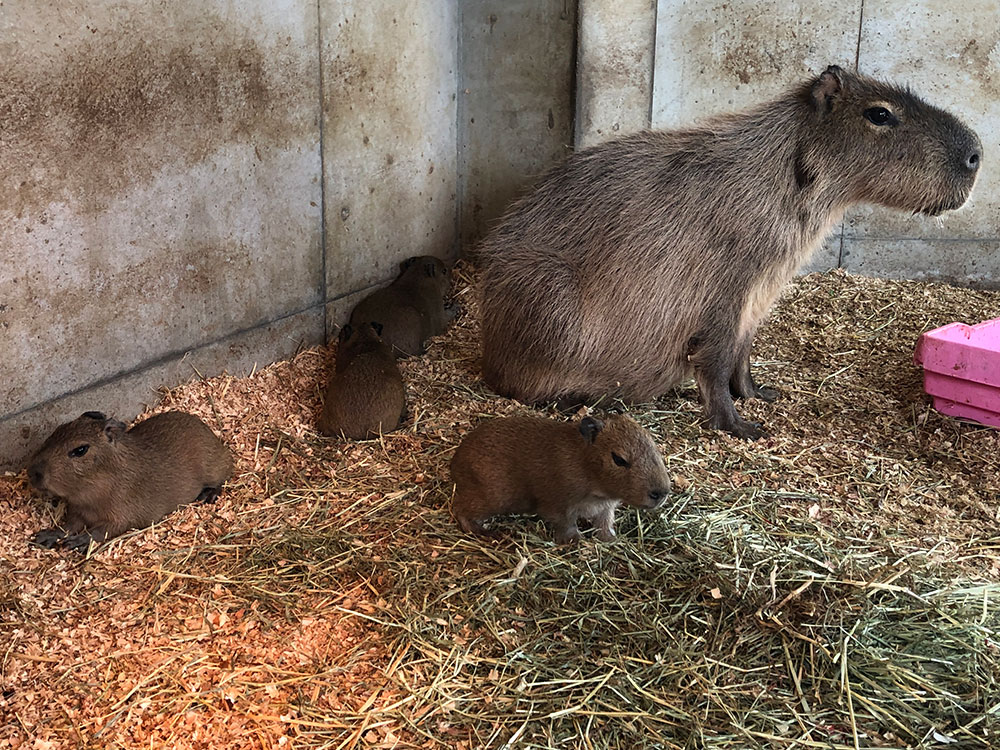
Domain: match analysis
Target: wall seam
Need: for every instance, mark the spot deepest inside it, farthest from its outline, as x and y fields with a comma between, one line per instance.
x=322, y=169
x=460, y=180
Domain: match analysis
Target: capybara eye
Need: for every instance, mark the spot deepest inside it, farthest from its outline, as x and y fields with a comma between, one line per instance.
x=79, y=451
x=620, y=461
x=880, y=116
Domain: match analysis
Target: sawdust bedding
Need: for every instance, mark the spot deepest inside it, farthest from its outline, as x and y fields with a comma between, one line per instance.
x=327, y=599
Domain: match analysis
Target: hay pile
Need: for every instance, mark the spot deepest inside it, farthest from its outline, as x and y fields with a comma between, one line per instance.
x=834, y=586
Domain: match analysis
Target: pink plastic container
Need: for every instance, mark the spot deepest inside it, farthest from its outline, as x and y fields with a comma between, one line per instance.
x=962, y=370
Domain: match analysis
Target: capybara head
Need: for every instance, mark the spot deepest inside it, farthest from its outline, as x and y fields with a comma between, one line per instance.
x=426, y=269
x=624, y=462
x=898, y=150
x=351, y=337
x=76, y=454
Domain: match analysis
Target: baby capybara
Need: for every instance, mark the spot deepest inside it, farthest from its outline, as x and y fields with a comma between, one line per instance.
x=646, y=259
x=114, y=479
x=365, y=396
x=561, y=471
x=411, y=309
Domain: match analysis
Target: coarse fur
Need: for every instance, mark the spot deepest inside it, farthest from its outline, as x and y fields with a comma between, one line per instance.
x=365, y=397
x=114, y=479
x=561, y=471
x=411, y=309
x=646, y=259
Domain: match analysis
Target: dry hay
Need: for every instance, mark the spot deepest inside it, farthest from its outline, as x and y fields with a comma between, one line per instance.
x=833, y=586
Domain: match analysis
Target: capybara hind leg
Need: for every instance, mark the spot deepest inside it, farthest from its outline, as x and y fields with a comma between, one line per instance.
x=714, y=369
x=742, y=384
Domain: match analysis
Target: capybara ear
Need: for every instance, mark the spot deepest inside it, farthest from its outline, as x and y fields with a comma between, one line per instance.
x=377, y=327
x=113, y=430
x=408, y=262
x=345, y=333
x=99, y=416
x=589, y=427
x=827, y=88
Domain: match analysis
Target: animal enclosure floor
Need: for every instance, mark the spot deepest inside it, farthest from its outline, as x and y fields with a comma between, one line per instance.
x=836, y=585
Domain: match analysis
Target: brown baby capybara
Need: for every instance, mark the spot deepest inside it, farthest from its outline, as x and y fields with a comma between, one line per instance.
x=114, y=479
x=365, y=397
x=561, y=471
x=411, y=309
x=642, y=260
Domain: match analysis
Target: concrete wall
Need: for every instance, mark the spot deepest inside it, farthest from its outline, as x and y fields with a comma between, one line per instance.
x=515, y=101
x=206, y=185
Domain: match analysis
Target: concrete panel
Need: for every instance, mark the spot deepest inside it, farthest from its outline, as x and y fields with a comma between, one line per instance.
x=389, y=122
x=963, y=262
x=515, y=101
x=159, y=182
x=124, y=397
x=949, y=53
x=717, y=56
x=614, y=70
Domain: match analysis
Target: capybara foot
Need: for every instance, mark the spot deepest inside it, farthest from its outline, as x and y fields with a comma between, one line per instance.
x=767, y=393
x=208, y=495
x=48, y=538
x=472, y=526
x=738, y=427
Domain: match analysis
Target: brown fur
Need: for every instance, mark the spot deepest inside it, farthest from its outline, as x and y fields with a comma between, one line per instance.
x=642, y=260
x=126, y=479
x=411, y=309
x=561, y=471
x=365, y=397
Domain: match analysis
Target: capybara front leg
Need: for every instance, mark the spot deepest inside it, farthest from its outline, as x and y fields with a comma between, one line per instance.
x=742, y=384
x=714, y=369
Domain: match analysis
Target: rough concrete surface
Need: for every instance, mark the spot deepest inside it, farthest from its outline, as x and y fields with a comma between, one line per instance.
x=720, y=56
x=389, y=107
x=159, y=183
x=126, y=396
x=614, y=69
x=515, y=106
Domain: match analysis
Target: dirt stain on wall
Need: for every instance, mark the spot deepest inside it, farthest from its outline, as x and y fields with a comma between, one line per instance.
x=101, y=113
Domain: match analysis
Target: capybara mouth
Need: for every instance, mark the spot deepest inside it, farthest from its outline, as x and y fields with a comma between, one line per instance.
x=936, y=209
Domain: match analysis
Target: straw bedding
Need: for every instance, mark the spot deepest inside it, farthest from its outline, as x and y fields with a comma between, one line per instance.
x=836, y=585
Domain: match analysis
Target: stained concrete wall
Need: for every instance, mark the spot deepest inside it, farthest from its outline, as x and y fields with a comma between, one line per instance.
x=192, y=187
x=515, y=101
x=614, y=74
x=159, y=196
x=717, y=56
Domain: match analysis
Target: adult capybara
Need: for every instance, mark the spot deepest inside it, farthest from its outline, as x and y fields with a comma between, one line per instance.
x=643, y=259
x=411, y=309
x=114, y=479
x=365, y=396
x=561, y=471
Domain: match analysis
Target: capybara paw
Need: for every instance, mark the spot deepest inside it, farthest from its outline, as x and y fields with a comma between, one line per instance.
x=748, y=430
x=208, y=495
x=48, y=538
x=78, y=542
x=476, y=528
x=766, y=393
x=606, y=535
x=571, y=536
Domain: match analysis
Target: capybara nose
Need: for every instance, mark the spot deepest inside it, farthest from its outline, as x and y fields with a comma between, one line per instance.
x=656, y=497
x=972, y=160
x=35, y=476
